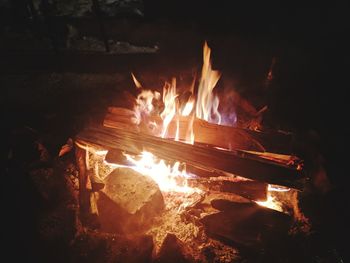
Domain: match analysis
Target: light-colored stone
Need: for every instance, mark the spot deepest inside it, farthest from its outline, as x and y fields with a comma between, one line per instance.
x=128, y=202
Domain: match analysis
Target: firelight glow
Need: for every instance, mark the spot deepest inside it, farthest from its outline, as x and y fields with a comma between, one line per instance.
x=203, y=106
x=169, y=178
x=271, y=201
x=208, y=103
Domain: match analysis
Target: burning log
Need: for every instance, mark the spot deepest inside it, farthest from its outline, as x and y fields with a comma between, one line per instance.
x=206, y=158
x=128, y=201
x=205, y=132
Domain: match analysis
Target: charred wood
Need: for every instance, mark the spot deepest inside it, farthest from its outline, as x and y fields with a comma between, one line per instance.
x=244, y=223
x=252, y=190
x=231, y=162
x=205, y=132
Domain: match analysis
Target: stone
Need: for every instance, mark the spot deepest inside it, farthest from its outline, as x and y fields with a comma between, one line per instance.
x=129, y=202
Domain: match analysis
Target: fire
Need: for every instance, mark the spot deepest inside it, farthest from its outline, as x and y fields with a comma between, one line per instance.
x=137, y=83
x=170, y=178
x=203, y=106
x=186, y=111
x=208, y=103
x=170, y=105
x=271, y=201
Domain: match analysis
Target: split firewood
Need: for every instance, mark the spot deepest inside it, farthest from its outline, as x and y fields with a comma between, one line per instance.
x=207, y=133
x=231, y=162
x=252, y=190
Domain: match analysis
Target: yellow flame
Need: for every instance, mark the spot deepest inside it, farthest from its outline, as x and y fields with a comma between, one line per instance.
x=277, y=188
x=188, y=107
x=207, y=102
x=271, y=201
x=137, y=83
x=169, y=99
x=169, y=178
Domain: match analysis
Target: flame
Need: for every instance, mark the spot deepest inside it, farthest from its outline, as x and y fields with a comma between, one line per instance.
x=277, y=188
x=144, y=104
x=169, y=178
x=208, y=103
x=169, y=99
x=186, y=111
x=271, y=201
x=137, y=83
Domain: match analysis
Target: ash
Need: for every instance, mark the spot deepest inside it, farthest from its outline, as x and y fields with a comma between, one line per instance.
x=182, y=219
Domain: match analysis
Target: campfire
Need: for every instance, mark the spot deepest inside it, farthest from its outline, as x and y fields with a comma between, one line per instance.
x=178, y=168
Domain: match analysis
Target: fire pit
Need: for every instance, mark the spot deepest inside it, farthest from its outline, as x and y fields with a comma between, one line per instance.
x=203, y=183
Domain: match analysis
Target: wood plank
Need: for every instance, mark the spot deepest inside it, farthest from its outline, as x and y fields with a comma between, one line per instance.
x=249, y=189
x=196, y=155
x=205, y=132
